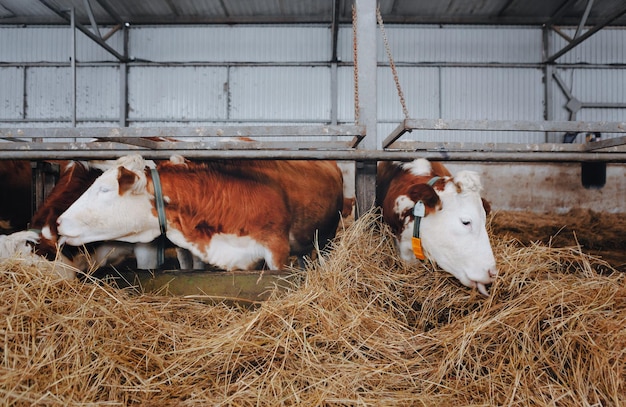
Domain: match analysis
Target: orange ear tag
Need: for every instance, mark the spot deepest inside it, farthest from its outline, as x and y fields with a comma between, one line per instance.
x=416, y=242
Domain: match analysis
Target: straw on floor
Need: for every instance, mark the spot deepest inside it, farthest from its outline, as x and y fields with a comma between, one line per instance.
x=358, y=328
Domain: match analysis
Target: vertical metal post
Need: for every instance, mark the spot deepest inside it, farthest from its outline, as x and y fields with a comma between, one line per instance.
x=124, y=80
x=548, y=72
x=334, y=93
x=73, y=64
x=365, y=182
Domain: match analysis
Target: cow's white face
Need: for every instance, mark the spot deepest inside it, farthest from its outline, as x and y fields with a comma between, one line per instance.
x=455, y=235
x=107, y=211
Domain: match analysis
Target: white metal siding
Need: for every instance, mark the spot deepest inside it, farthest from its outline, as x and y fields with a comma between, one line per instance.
x=177, y=93
x=97, y=93
x=492, y=93
x=12, y=95
x=280, y=93
x=231, y=44
x=49, y=93
x=420, y=87
x=454, y=44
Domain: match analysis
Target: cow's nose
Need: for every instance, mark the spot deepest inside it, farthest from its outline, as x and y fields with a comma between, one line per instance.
x=493, y=272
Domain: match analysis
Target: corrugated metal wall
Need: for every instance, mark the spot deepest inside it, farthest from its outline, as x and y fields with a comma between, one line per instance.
x=282, y=74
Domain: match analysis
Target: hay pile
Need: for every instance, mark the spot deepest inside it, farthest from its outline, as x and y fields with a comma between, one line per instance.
x=360, y=329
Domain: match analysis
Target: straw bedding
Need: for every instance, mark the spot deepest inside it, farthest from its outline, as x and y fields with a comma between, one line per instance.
x=359, y=328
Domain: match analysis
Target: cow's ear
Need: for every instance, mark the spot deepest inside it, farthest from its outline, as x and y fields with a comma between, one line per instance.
x=426, y=194
x=126, y=179
x=487, y=206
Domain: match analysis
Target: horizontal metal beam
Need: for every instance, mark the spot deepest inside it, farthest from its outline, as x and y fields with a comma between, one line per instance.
x=74, y=151
x=603, y=144
x=187, y=131
x=503, y=125
x=215, y=142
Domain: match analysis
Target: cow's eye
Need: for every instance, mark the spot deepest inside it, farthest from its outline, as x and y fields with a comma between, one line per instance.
x=103, y=189
x=466, y=222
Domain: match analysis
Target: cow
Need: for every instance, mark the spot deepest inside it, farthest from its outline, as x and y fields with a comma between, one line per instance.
x=451, y=215
x=74, y=179
x=232, y=214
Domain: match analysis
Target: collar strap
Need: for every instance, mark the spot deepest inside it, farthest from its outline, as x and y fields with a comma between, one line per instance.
x=419, y=210
x=160, y=207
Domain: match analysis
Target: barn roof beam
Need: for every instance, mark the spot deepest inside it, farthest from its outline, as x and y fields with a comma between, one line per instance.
x=579, y=38
x=96, y=38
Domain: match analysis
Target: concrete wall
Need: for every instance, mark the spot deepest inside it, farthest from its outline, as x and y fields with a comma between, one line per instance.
x=548, y=188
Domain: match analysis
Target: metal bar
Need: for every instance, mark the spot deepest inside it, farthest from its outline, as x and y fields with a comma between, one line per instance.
x=583, y=19
x=112, y=31
x=222, y=144
x=85, y=31
x=562, y=85
x=138, y=63
x=73, y=63
x=123, y=120
x=366, y=65
x=561, y=34
x=178, y=132
x=395, y=134
x=516, y=125
x=164, y=145
x=548, y=72
x=92, y=19
x=600, y=105
x=612, y=142
x=370, y=156
x=334, y=28
x=586, y=35
x=501, y=147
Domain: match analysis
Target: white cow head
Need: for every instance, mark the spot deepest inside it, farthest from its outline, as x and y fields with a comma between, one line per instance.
x=117, y=206
x=453, y=231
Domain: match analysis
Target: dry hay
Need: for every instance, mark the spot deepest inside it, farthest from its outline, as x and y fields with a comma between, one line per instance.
x=359, y=329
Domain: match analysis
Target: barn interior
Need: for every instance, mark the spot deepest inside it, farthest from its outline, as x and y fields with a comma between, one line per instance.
x=531, y=95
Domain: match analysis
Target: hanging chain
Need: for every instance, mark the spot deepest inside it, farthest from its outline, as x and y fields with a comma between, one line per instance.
x=391, y=63
x=356, y=67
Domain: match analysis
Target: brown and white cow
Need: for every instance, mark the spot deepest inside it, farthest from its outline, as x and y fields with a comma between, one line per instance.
x=231, y=214
x=452, y=226
x=75, y=178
